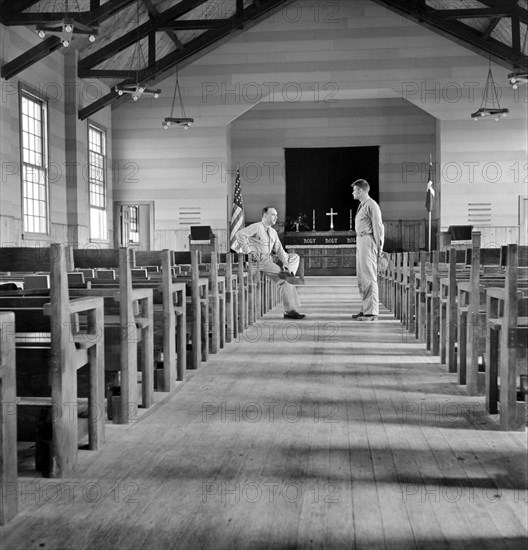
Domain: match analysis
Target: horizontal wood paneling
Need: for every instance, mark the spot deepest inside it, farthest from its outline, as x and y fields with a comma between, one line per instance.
x=380, y=122
x=54, y=78
x=364, y=50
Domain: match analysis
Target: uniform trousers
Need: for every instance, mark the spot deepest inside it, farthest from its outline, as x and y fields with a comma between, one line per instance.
x=367, y=273
x=288, y=292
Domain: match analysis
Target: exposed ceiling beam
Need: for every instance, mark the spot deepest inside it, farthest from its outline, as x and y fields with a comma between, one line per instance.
x=8, y=6
x=474, y=13
x=25, y=60
x=92, y=17
x=153, y=12
x=251, y=15
x=192, y=24
x=511, y=6
x=491, y=27
x=52, y=43
x=463, y=34
x=134, y=35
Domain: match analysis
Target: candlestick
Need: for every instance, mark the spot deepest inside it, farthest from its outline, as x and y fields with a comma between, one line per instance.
x=313, y=221
x=350, y=228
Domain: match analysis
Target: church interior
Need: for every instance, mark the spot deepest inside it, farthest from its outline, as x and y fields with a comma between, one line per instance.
x=154, y=392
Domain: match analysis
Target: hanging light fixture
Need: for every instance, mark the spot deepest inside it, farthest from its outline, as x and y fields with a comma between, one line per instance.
x=490, y=105
x=137, y=89
x=520, y=75
x=68, y=27
x=182, y=120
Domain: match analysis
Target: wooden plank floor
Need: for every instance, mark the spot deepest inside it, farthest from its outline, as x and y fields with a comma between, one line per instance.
x=324, y=433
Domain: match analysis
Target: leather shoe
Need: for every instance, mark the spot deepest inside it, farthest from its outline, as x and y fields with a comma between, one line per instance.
x=294, y=315
x=368, y=317
x=289, y=278
x=357, y=315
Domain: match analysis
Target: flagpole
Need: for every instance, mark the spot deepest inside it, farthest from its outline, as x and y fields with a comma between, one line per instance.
x=429, y=198
x=429, y=249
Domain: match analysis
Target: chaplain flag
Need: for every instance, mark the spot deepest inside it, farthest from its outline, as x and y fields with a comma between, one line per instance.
x=237, y=215
x=430, y=193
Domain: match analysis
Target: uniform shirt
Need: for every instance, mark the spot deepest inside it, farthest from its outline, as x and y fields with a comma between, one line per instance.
x=262, y=239
x=368, y=221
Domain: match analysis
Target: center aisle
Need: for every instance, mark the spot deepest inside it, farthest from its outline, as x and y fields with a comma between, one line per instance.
x=320, y=433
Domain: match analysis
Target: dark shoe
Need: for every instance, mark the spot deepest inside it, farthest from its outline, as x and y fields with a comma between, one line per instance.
x=368, y=317
x=294, y=315
x=289, y=278
x=357, y=315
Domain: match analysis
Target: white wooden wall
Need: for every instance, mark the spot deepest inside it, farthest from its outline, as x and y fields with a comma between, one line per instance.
x=55, y=79
x=351, y=51
x=406, y=135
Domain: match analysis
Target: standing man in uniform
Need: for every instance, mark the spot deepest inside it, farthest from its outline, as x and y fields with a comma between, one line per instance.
x=260, y=241
x=369, y=246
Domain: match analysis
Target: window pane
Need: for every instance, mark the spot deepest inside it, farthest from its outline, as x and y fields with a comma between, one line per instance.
x=34, y=171
x=97, y=182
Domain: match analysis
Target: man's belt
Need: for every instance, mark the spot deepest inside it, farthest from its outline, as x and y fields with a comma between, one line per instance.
x=364, y=233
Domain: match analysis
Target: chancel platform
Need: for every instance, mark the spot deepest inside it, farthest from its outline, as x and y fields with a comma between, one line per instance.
x=324, y=252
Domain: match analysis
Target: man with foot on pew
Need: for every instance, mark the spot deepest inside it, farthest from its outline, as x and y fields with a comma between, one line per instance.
x=261, y=242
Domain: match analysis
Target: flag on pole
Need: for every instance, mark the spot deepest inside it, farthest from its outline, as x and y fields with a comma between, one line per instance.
x=430, y=193
x=237, y=215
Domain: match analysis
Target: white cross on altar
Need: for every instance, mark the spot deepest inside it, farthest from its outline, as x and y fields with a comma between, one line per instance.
x=331, y=214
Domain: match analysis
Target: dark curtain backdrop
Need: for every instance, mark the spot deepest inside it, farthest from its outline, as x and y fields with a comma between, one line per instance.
x=320, y=179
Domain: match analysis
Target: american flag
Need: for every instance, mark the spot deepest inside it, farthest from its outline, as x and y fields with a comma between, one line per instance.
x=237, y=215
x=430, y=193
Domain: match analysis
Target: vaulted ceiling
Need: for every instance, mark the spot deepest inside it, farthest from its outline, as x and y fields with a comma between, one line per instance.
x=145, y=40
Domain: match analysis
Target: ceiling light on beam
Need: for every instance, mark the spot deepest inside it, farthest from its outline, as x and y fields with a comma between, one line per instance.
x=518, y=77
x=520, y=74
x=182, y=120
x=68, y=27
x=490, y=106
x=137, y=89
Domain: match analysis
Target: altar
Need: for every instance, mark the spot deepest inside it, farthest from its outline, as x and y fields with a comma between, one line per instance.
x=324, y=252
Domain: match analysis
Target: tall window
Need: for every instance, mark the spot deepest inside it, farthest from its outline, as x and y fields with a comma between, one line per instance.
x=35, y=192
x=134, y=223
x=97, y=181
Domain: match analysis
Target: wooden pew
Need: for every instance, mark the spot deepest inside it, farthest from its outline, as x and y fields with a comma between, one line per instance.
x=8, y=420
x=225, y=267
x=217, y=285
x=507, y=336
x=64, y=352
x=128, y=321
x=170, y=312
x=198, y=290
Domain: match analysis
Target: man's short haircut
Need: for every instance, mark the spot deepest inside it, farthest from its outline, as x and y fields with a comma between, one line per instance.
x=265, y=209
x=362, y=184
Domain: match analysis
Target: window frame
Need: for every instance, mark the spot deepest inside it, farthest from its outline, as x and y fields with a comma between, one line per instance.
x=98, y=128
x=31, y=94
